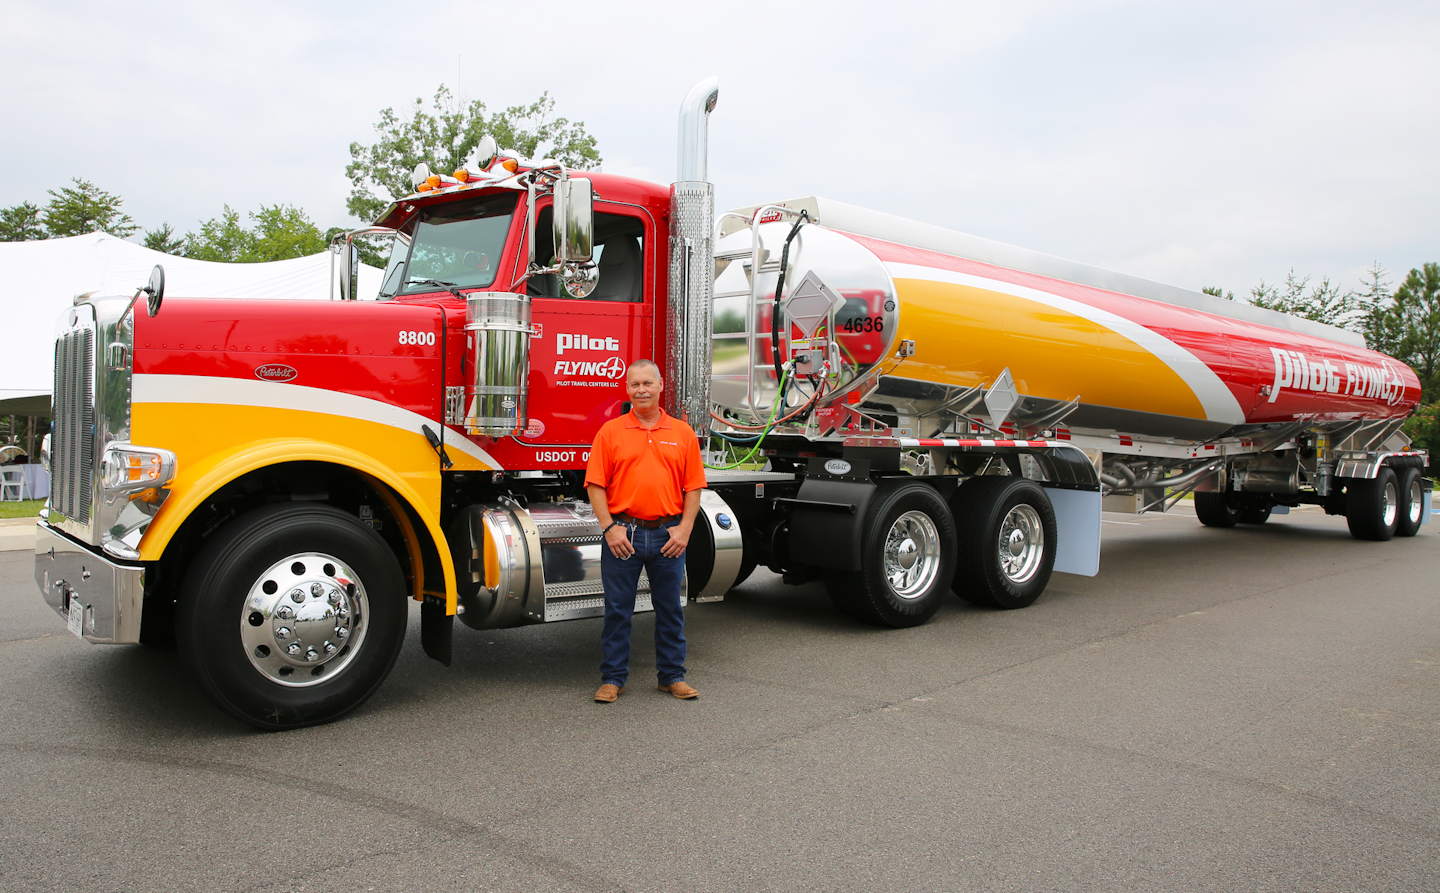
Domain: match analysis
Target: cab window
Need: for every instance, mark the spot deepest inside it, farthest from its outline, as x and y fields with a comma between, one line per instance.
x=456, y=242
x=619, y=256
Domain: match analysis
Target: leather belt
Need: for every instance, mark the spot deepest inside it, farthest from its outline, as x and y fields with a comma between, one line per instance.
x=646, y=523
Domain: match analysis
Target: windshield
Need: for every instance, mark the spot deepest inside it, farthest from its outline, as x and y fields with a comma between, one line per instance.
x=457, y=243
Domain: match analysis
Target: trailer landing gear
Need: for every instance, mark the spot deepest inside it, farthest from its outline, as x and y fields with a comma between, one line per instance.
x=292, y=616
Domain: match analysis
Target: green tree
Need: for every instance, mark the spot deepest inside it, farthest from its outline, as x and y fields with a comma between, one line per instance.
x=1411, y=325
x=445, y=136
x=1322, y=302
x=82, y=208
x=280, y=233
x=1218, y=292
x=164, y=238
x=21, y=223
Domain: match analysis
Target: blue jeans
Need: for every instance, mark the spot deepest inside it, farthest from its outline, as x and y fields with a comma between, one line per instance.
x=622, y=577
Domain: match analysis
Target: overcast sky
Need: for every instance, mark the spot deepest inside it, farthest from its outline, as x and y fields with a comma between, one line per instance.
x=1194, y=143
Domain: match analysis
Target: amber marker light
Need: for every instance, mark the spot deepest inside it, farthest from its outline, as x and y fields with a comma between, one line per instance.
x=462, y=175
x=433, y=181
x=510, y=164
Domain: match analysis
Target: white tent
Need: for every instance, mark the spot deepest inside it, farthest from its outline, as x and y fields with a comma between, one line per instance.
x=39, y=281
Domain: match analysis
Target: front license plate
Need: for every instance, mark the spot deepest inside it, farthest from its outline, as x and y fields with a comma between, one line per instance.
x=77, y=616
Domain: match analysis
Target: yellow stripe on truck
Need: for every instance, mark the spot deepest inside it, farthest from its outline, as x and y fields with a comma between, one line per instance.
x=217, y=443
x=967, y=335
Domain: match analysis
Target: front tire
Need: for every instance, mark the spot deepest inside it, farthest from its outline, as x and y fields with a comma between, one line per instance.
x=1372, y=507
x=292, y=615
x=907, y=557
x=1007, y=541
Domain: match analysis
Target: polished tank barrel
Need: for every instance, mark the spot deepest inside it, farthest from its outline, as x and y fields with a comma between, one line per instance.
x=1133, y=356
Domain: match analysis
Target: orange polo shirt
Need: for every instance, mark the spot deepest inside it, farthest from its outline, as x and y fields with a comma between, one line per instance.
x=645, y=473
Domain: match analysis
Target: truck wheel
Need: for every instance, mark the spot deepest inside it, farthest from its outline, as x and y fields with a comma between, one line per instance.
x=1254, y=515
x=1372, y=507
x=1213, y=510
x=1007, y=541
x=292, y=615
x=1412, y=502
x=907, y=556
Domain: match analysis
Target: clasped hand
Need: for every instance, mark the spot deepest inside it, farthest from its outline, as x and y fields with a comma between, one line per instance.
x=618, y=539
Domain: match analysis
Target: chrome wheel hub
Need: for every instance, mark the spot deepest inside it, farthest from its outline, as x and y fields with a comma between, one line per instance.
x=912, y=555
x=304, y=619
x=1417, y=502
x=1021, y=544
x=1392, y=502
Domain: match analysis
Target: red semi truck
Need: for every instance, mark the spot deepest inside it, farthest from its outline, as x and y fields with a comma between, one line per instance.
x=267, y=483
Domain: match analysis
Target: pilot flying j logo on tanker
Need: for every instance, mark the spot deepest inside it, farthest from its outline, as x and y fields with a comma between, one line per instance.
x=1299, y=372
x=609, y=369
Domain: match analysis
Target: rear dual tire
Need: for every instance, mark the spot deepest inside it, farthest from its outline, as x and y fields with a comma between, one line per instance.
x=1007, y=541
x=1372, y=507
x=907, y=558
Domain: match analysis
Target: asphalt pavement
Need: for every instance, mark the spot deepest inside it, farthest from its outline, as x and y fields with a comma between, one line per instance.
x=1246, y=710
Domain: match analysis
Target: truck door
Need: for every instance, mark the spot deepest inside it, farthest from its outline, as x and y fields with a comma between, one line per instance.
x=578, y=359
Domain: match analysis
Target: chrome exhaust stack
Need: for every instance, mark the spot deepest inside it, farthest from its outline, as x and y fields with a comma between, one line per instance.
x=692, y=219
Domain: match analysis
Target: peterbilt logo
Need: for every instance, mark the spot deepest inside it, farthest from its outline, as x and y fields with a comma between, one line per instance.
x=1299, y=372
x=275, y=372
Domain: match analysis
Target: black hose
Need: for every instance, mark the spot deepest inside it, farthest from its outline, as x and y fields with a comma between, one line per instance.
x=779, y=287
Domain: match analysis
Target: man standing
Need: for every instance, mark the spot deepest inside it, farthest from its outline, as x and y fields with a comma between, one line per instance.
x=644, y=480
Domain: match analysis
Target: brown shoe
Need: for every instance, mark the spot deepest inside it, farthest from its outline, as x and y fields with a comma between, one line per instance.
x=607, y=693
x=681, y=690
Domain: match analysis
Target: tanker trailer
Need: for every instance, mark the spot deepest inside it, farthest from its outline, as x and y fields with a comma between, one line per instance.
x=943, y=410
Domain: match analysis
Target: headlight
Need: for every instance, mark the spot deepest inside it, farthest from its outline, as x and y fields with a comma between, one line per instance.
x=127, y=469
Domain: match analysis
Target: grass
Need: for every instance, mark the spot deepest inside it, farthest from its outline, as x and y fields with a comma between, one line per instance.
x=29, y=508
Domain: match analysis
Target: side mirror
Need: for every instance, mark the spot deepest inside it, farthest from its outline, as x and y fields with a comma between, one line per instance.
x=574, y=223
x=349, y=269
x=155, y=290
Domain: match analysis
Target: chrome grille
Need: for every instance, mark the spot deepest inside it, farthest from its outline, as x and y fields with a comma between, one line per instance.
x=72, y=444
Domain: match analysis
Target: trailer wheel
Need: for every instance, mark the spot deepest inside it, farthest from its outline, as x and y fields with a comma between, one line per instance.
x=292, y=615
x=1213, y=510
x=1007, y=541
x=1254, y=514
x=907, y=557
x=1372, y=507
x=1412, y=502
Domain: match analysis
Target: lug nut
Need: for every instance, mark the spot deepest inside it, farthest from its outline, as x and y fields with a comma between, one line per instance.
x=312, y=654
x=329, y=647
x=334, y=597
x=316, y=590
x=342, y=632
x=297, y=596
x=282, y=633
x=285, y=613
x=292, y=648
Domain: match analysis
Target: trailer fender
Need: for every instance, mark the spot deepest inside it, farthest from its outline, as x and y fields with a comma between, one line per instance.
x=826, y=521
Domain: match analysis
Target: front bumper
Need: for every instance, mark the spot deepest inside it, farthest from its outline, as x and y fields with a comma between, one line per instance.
x=110, y=596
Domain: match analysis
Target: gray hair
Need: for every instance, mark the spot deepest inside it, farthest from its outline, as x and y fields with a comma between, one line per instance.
x=645, y=362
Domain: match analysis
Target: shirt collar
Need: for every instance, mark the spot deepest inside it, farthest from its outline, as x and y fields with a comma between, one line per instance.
x=632, y=422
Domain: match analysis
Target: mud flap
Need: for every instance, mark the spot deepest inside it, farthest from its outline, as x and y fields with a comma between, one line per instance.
x=435, y=629
x=1077, y=530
